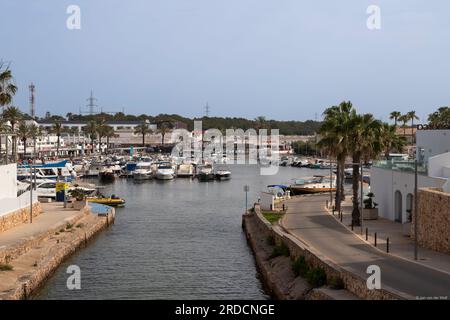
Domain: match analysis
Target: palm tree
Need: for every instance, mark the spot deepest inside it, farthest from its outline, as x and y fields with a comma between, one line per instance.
x=390, y=140
x=4, y=128
x=412, y=116
x=261, y=122
x=404, y=119
x=7, y=88
x=13, y=115
x=143, y=129
x=364, y=144
x=91, y=130
x=335, y=140
x=23, y=133
x=394, y=116
x=163, y=130
x=109, y=133
x=34, y=132
x=57, y=129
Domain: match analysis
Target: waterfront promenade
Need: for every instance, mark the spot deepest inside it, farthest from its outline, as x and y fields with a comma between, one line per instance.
x=29, y=253
x=307, y=220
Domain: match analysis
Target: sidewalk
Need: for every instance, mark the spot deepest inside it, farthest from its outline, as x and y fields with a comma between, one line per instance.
x=53, y=216
x=308, y=220
x=399, y=244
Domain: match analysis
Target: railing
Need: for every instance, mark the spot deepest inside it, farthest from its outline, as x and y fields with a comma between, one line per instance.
x=401, y=165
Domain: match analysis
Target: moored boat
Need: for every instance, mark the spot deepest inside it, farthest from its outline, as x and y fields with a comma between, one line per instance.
x=316, y=184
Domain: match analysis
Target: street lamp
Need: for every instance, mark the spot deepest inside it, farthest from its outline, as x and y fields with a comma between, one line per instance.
x=246, y=190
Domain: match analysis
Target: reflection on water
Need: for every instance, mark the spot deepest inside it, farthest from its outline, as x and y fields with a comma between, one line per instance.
x=179, y=239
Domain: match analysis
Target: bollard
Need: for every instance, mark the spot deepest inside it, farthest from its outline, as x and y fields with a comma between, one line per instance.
x=375, y=239
x=284, y=207
x=352, y=224
x=327, y=204
x=367, y=234
x=387, y=245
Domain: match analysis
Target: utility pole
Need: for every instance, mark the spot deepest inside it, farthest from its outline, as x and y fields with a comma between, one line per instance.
x=207, y=109
x=416, y=210
x=91, y=103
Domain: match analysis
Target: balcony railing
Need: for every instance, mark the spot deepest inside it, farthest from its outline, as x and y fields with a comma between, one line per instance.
x=401, y=165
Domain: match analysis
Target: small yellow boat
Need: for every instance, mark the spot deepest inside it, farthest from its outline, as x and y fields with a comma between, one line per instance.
x=111, y=201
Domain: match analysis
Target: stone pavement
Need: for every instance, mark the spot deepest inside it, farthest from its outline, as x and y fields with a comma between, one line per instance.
x=53, y=215
x=400, y=243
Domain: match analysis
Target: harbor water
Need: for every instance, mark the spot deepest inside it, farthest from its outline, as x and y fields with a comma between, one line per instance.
x=179, y=239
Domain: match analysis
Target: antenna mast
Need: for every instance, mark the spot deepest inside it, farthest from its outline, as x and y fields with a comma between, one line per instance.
x=32, y=101
x=207, y=109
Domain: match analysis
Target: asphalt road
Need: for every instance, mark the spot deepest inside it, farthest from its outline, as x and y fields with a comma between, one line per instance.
x=307, y=219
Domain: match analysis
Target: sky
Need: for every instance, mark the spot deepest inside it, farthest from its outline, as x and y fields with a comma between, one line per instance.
x=283, y=59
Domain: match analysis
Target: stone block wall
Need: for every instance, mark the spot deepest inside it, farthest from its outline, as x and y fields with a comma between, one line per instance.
x=18, y=217
x=433, y=220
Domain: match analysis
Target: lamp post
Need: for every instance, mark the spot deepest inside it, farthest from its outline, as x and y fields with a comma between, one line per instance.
x=246, y=190
x=416, y=211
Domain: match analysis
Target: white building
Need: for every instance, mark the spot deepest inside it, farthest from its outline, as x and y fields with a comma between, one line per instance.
x=392, y=181
x=12, y=201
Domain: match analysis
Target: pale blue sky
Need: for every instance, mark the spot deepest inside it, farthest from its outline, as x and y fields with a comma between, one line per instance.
x=285, y=59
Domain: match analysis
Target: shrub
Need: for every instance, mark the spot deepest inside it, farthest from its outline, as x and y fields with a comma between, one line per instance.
x=270, y=240
x=280, y=250
x=316, y=277
x=80, y=225
x=300, y=267
x=5, y=267
x=336, y=283
x=69, y=226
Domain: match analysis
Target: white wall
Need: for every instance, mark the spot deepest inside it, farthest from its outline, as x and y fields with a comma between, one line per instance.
x=8, y=181
x=433, y=142
x=267, y=201
x=9, y=205
x=385, y=182
x=439, y=166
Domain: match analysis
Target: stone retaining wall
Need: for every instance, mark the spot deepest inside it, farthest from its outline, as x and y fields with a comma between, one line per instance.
x=353, y=283
x=433, y=220
x=18, y=217
x=27, y=285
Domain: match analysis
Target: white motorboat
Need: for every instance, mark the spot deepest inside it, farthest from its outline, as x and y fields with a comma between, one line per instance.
x=185, y=170
x=143, y=171
x=165, y=171
x=222, y=172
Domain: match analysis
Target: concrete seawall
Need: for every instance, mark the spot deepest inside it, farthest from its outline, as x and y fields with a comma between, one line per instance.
x=277, y=275
x=36, y=259
x=282, y=283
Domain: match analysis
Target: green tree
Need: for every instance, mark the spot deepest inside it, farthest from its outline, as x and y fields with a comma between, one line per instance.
x=91, y=130
x=394, y=116
x=13, y=115
x=34, y=132
x=440, y=119
x=143, y=129
x=7, y=87
x=335, y=135
x=57, y=129
x=404, y=120
x=164, y=128
x=390, y=140
x=412, y=116
x=23, y=132
x=364, y=144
